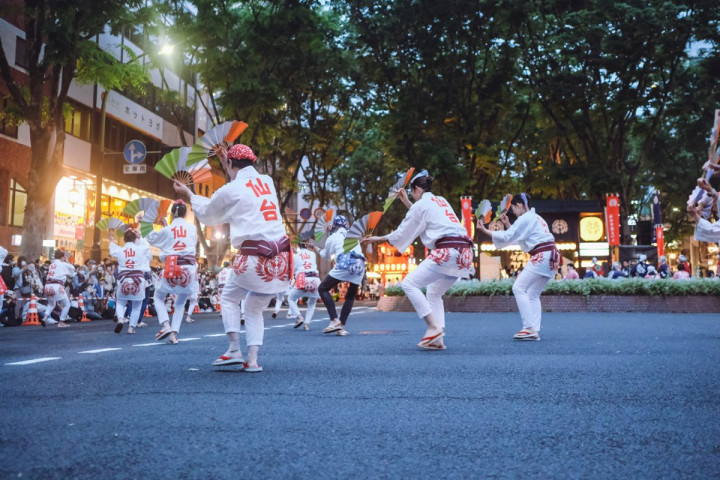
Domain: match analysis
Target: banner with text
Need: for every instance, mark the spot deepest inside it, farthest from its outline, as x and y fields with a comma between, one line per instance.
x=612, y=213
x=466, y=204
x=660, y=238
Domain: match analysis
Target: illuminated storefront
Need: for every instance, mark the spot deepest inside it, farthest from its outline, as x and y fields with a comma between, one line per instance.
x=392, y=265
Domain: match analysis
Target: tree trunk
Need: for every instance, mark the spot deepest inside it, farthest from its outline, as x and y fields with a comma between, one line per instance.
x=45, y=172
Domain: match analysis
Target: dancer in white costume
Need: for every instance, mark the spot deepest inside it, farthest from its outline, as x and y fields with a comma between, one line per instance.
x=177, y=243
x=133, y=261
x=307, y=281
x=705, y=231
x=262, y=266
x=60, y=271
x=349, y=267
x=451, y=254
x=533, y=236
x=279, y=297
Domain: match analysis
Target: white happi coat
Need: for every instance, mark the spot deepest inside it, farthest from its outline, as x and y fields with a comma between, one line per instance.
x=528, y=231
x=178, y=238
x=250, y=205
x=432, y=218
x=707, y=232
x=61, y=271
x=334, y=249
x=305, y=262
x=132, y=256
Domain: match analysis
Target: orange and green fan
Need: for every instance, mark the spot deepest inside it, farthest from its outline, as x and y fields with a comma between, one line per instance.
x=111, y=223
x=484, y=211
x=220, y=136
x=177, y=166
x=503, y=207
x=360, y=228
x=323, y=225
x=399, y=185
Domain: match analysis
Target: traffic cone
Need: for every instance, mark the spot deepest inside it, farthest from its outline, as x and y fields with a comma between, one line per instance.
x=81, y=306
x=32, y=315
x=197, y=309
x=147, y=311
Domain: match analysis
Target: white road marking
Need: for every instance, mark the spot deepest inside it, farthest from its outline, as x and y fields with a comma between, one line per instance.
x=188, y=339
x=147, y=344
x=101, y=350
x=217, y=335
x=35, y=360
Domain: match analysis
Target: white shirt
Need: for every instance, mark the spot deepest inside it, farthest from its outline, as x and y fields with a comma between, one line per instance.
x=707, y=232
x=132, y=256
x=3, y=254
x=432, y=218
x=178, y=238
x=334, y=244
x=305, y=261
x=60, y=270
x=249, y=204
x=528, y=231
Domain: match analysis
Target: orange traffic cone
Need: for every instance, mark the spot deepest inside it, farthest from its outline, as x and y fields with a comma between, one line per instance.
x=147, y=311
x=32, y=315
x=81, y=306
x=197, y=309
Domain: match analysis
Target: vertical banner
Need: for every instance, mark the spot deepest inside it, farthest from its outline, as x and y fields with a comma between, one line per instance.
x=466, y=204
x=660, y=238
x=612, y=213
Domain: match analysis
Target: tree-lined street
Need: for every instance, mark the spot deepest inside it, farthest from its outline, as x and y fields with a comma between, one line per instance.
x=600, y=396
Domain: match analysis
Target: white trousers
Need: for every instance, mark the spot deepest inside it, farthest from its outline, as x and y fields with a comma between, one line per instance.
x=293, y=298
x=437, y=284
x=279, y=300
x=527, y=289
x=120, y=305
x=253, y=304
x=57, y=295
x=162, y=312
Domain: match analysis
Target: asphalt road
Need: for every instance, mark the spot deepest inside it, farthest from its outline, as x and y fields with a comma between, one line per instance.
x=600, y=396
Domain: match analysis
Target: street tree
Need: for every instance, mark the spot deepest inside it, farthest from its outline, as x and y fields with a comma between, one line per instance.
x=60, y=41
x=604, y=74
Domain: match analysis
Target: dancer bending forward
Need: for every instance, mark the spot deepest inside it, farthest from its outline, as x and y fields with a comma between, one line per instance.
x=307, y=281
x=450, y=258
x=349, y=267
x=531, y=232
x=177, y=243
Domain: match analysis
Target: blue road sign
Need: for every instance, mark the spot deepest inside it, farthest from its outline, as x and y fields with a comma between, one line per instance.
x=135, y=151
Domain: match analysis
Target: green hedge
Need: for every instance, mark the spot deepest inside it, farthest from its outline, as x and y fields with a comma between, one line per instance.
x=599, y=286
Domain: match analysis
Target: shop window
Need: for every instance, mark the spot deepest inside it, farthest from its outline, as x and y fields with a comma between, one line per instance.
x=21, y=53
x=18, y=200
x=5, y=127
x=78, y=123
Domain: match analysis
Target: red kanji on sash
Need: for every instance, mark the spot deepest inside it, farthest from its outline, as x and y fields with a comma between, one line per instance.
x=259, y=188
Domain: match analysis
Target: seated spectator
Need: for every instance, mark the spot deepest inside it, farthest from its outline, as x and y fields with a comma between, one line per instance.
x=571, y=273
x=681, y=274
x=617, y=272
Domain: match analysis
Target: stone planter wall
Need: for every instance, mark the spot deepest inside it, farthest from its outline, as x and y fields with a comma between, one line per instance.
x=568, y=303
